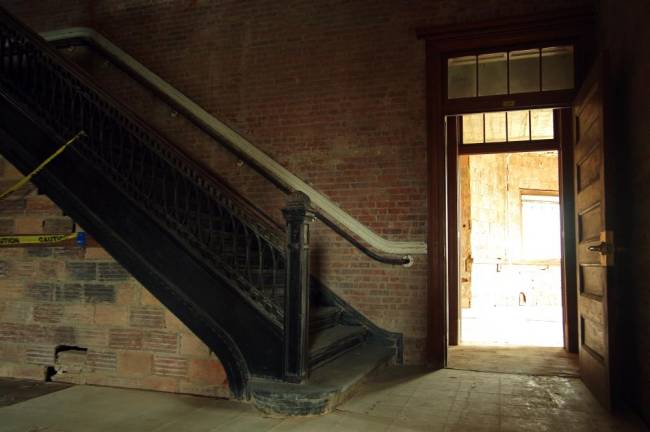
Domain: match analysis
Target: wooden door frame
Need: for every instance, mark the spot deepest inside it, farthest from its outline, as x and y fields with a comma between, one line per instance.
x=569, y=26
x=562, y=144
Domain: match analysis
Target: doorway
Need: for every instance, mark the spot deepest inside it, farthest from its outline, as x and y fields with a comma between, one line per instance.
x=523, y=63
x=510, y=287
x=511, y=301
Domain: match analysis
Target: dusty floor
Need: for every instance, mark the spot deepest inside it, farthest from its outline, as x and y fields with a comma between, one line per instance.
x=13, y=391
x=520, y=360
x=398, y=399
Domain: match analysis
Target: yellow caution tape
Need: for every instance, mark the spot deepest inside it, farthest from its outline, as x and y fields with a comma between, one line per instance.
x=29, y=176
x=35, y=239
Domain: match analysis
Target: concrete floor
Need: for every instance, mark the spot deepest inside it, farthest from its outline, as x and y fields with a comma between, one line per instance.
x=397, y=399
x=14, y=390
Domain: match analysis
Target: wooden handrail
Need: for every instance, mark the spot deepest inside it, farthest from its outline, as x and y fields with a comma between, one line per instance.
x=261, y=162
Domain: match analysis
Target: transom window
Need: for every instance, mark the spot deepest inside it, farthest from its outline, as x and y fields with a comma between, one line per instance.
x=511, y=72
x=508, y=126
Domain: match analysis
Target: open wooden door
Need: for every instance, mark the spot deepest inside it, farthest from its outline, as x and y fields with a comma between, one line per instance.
x=594, y=187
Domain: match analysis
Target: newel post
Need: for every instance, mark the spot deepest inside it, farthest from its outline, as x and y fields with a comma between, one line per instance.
x=298, y=214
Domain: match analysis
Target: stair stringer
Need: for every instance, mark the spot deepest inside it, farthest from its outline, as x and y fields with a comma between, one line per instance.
x=324, y=295
x=245, y=341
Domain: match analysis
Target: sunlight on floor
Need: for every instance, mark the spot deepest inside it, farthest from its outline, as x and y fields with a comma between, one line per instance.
x=528, y=325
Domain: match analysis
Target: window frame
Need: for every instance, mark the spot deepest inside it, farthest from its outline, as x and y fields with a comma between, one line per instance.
x=508, y=101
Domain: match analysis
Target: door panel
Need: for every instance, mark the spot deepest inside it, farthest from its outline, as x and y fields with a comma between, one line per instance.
x=594, y=224
x=589, y=171
x=591, y=223
x=593, y=279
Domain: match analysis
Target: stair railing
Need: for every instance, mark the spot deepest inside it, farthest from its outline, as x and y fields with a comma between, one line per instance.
x=180, y=104
x=202, y=211
x=267, y=265
x=298, y=214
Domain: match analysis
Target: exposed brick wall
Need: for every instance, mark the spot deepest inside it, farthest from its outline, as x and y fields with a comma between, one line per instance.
x=80, y=297
x=625, y=34
x=335, y=91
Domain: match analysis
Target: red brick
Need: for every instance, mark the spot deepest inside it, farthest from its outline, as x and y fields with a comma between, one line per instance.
x=48, y=313
x=7, y=226
x=125, y=339
x=125, y=294
x=172, y=323
x=10, y=172
x=18, y=312
x=22, y=269
x=7, y=369
x=51, y=269
x=97, y=253
x=159, y=383
x=41, y=204
x=147, y=317
x=58, y=225
x=69, y=378
x=102, y=379
x=160, y=341
x=220, y=391
x=11, y=289
x=29, y=225
x=32, y=372
x=11, y=352
x=79, y=314
x=206, y=372
x=40, y=355
x=133, y=363
x=91, y=337
x=146, y=298
x=113, y=315
x=101, y=361
x=173, y=366
x=193, y=346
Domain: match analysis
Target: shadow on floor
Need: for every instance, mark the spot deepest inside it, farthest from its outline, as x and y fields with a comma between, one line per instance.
x=13, y=391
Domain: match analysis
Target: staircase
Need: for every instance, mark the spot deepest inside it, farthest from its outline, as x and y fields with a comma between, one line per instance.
x=236, y=279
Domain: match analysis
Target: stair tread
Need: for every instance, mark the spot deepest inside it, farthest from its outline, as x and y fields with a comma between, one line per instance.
x=321, y=312
x=326, y=387
x=323, y=339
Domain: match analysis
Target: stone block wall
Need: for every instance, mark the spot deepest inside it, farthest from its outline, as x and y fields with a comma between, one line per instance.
x=72, y=314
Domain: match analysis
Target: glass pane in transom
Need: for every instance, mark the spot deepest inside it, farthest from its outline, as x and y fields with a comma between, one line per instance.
x=524, y=71
x=493, y=74
x=557, y=68
x=461, y=77
x=473, y=129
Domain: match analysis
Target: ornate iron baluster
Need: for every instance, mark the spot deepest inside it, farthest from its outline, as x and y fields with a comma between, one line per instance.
x=145, y=168
x=298, y=214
